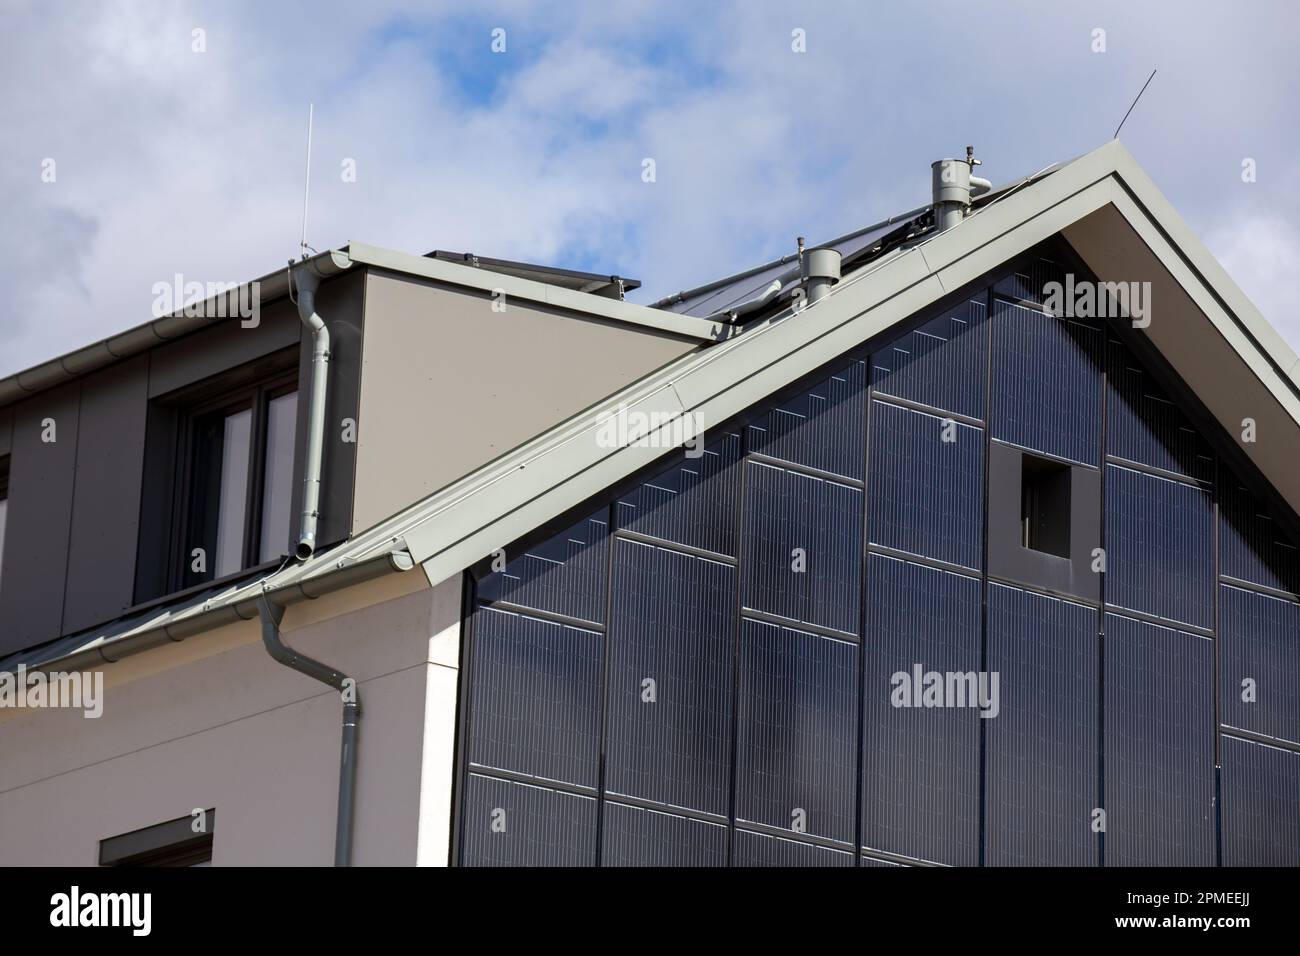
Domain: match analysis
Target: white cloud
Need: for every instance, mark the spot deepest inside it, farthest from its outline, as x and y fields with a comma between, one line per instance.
x=1262, y=254
x=174, y=161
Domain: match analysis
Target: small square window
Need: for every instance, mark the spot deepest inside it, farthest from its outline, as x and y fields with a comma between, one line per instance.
x=1045, y=506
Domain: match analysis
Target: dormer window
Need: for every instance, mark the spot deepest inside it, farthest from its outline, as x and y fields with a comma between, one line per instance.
x=237, y=481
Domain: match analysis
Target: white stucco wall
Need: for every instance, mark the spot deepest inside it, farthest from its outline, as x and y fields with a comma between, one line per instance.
x=215, y=722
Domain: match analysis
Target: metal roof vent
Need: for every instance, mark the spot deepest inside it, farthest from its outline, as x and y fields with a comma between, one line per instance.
x=952, y=187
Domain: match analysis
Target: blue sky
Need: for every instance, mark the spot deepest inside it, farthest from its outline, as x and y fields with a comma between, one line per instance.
x=174, y=160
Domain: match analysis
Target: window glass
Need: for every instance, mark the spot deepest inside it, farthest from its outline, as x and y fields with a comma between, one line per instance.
x=4, y=506
x=233, y=500
x=277, y=488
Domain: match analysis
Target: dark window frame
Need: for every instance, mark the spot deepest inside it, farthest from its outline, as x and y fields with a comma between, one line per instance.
x=1045, y=505
x=189, y=508
x=170, y=844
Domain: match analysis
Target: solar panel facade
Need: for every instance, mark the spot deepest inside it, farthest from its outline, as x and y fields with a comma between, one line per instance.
x=771, y=654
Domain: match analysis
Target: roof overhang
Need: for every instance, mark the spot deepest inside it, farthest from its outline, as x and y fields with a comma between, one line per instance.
x=221, y=307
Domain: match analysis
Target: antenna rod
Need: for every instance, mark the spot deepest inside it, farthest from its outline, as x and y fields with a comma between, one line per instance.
x=306, y=186
x=1135, y=103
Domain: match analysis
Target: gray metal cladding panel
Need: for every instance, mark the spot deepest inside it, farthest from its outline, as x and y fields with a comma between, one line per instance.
x=534, y=697
x=942, y=363
x=925, y=492
x=920, y=765
x=668, y=737
x=823, y=428
x=1259, y=641
x=1251, y=545
x=1159, y=547
x=760, y=850
x=1159, y=746
x=802, y=547
x=106, y=501
x=515, y=824
x=796, y=735
x=1261, y=794
x=42, y=476
x=565, y=575
x=1041, y=748
x=692, y=502
x=1030, y=280
x=1046, y=383
x=632, y=836
x=1144, y=425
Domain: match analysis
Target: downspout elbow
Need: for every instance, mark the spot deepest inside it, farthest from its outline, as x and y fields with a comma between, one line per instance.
x=271, y=615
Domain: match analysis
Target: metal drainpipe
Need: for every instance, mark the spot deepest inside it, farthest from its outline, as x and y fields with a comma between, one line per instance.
x=308, y=281
x=271, y=615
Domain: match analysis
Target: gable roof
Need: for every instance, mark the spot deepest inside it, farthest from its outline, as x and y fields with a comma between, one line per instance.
x=1103, y=203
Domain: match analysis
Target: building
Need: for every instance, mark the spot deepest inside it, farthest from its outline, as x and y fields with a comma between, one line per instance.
x=968, y=538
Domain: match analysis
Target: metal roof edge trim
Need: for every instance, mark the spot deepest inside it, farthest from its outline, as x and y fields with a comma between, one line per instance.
x=1265, y=364
x=626, y=313
x=88, y=358
x=1202, y=264
x=239, y=604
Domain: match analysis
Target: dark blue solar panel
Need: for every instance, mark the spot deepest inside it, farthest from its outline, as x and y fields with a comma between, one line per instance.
x=670, y=678
x=1030, y=280
x=742, y=289
x=1259, y=658
x=564, y=575
x=632, y=836
x=535, y=690
x=920, y=765
x=941, y=363
x=797, y=731
x=1159, y=547
x=513, y=824
x=1159, y=746
x=823, y=428
x=1252, y=547
x=693, y=502
x=925, y=491
x=1042, y=747
x=1261, y=794
x=1144, y=425
x=1046, y=383
x=803, y=547
x=758, y=849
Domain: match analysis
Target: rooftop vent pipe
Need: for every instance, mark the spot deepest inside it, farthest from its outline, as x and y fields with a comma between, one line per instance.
x=817, y=270
x=820, y=270
x=952, y=187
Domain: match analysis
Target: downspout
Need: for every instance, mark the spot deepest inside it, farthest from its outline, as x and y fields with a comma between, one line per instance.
x=308, y=281
x=271, y=615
